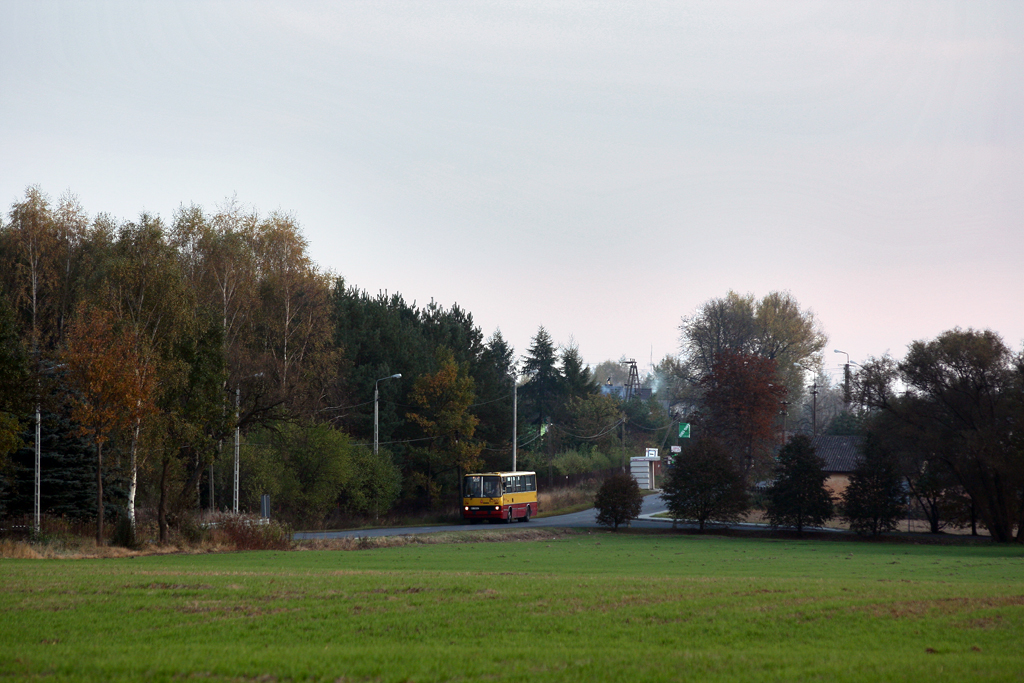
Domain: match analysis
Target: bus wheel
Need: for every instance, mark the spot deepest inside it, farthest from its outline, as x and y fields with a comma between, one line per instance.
x=527, y=517
x=508, y=520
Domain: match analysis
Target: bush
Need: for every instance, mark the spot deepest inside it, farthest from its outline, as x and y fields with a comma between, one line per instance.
x=571, y=462
x=618, y=500
x=192, y=532
x=247, y=532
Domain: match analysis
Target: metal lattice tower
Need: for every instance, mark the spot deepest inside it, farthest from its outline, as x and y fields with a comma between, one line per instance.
x=632, y=389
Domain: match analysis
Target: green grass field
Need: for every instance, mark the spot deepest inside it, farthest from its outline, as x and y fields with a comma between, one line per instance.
x=585, y=607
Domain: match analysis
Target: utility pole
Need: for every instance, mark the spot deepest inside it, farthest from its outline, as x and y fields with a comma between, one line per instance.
x=784, y=413
x=622, y=441
x=376, y=400
x=234, y=500
x=35, y=504
x=846, y=377
x=515, y=419
x=37, y=498
x=814, y=409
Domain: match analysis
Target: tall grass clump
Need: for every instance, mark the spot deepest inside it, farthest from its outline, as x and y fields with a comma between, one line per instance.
x=568, y=499
x=249, y=532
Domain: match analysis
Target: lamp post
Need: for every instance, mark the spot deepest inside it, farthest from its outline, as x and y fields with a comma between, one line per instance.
x=376, y=398
x=515, y=418
x=846, y=377
x=36, y=503
x=515, y=412
x=238, y=397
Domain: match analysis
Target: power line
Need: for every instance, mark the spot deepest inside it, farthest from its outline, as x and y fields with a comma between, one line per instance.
x=357, y=405
x=653, y=429
x=385, y=443
x=493, y=400
x=595, y=436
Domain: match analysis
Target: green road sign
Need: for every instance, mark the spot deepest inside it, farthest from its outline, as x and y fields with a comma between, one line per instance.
x=684, y=430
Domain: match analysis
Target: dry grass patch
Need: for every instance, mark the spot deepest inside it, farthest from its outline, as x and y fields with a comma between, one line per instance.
x=440, y=538
x=920, y=609
x=563, y=501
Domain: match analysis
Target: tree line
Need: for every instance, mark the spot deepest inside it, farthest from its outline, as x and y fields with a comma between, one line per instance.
x=942, y=429
x=148, y=345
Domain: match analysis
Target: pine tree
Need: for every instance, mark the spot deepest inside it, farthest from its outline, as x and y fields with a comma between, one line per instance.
x=798, y=496
x=577, y=382
x=875, y=500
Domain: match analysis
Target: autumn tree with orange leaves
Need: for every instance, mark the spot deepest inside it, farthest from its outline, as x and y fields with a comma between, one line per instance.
x=443, y=399
x=742, y=396
x=112, y=383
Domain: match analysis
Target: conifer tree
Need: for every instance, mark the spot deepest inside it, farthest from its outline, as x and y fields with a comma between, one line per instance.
x=798, y=496
x=875, y=501
x=541, y=392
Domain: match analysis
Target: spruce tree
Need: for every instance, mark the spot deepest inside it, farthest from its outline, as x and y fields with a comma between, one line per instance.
x=577, y=382
x=67, y=481
x=798, y=496
x=875, y=500
x=541, y=392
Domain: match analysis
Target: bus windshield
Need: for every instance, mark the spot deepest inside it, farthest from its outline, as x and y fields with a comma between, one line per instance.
x=483, y=487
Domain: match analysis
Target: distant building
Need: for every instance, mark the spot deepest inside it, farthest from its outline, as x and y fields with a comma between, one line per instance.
x=841, y=455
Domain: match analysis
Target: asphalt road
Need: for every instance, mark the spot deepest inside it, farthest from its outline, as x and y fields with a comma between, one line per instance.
x=585, y=519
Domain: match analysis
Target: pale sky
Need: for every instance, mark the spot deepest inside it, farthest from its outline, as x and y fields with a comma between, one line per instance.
x=599, y=169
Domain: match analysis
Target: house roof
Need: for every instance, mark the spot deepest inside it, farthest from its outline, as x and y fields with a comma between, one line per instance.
x=840, y=453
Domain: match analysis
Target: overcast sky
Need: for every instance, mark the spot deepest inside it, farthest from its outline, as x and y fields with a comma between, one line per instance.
x=599, y=169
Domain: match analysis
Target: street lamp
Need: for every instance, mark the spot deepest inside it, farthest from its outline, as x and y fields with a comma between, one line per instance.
x=238, y=396
x=38, y=450
x=515, y=410
x=515, y=418
x=846, y=377
x=376, y=398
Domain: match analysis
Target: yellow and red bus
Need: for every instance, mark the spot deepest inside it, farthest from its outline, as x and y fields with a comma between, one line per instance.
x=499, y=496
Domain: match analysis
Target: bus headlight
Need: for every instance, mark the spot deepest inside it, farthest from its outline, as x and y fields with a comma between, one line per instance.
x=497, y=507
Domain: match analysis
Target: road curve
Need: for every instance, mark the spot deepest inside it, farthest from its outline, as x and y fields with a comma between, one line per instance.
x=584, y=519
